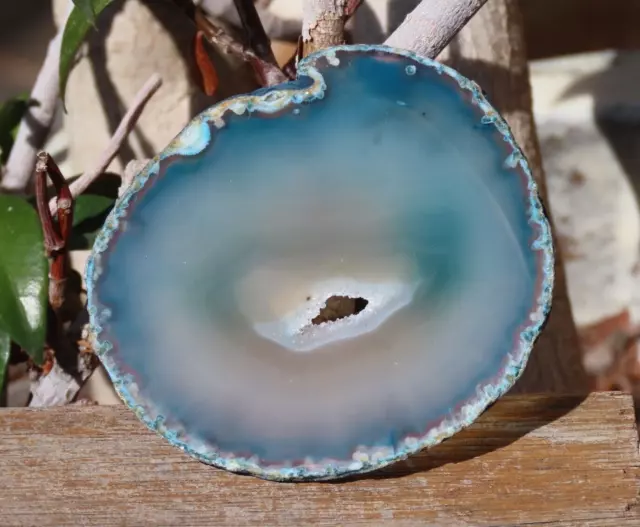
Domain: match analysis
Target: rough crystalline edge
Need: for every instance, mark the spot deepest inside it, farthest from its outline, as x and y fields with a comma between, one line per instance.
x=195, y=138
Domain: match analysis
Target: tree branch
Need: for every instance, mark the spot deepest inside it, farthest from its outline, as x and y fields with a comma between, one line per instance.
x=254, y=30
x=323, y=24
x=269, y=73
x=431, y=26
x=36, y=123
x=124, y=128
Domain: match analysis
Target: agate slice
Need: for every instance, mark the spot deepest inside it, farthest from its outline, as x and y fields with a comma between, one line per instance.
x=321, y=278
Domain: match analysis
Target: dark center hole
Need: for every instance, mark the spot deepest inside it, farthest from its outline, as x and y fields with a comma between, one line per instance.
x=338, y=307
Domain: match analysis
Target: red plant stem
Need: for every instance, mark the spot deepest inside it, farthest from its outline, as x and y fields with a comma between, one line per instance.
x=205, y=66
x=268, y=73
x=262, y=59
x=52, y=240
x=56, y=233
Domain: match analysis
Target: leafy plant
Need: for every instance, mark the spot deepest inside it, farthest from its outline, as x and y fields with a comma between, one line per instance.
x=91, y=210
x=11, y=112
x=80, y=21
x=5, y=349
x=87, y=8
x=23, y=277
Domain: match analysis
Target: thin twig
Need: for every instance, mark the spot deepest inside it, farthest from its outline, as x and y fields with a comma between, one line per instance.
x=269, y=73
x=124, y=128
x=432, y=25
x=35, y=125
x=254, y=30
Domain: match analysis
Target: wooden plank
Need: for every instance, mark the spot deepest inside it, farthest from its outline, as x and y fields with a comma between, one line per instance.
x=530, y=460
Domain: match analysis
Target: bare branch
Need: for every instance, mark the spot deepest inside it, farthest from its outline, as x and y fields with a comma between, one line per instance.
x=431, y=26
x=254, y=30
x=269, y=73
x=124, y=128
x=35, y=125
x=323, y=24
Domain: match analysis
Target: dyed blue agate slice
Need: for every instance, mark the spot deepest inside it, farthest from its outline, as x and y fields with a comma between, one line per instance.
x=378, y=176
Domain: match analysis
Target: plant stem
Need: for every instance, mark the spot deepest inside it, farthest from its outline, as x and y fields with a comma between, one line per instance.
x=254, y=30
x=122, y=132
x=56, y=234
x=208, y=74
x=268, y=73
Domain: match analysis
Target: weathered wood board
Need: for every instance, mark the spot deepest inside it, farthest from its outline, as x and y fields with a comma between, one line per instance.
x=530, y=460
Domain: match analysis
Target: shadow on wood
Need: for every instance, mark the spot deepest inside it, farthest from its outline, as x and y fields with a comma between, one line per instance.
x=500, y=426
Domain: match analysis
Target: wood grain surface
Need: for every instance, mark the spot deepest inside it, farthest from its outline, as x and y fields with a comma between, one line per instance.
x=530, y=460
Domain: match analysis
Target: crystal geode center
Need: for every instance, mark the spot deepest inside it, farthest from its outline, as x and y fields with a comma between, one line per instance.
x=378, y=180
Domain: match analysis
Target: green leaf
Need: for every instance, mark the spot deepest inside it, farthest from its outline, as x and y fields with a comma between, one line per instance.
x=86, y=8
x=23, y=276
x=75, y=31
x=91, y=210
x=5, y=349
x=89, y=215
x=11, y=113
